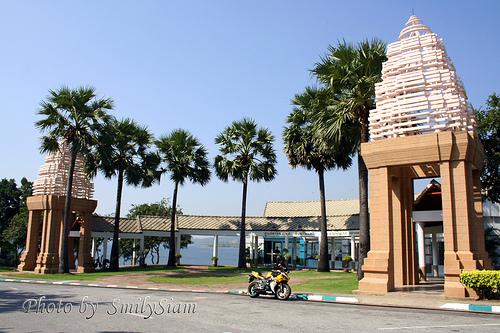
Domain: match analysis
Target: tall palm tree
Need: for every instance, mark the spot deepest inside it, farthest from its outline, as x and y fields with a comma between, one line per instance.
x=304, y=148
x=353, y=71
x=71, y=117
x=185, y=158
x=246, y=154
x=123, y=152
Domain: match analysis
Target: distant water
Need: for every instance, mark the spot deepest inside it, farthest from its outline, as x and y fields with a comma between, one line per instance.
x=198, y=255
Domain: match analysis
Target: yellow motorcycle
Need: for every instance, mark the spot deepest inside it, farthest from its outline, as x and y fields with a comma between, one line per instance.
x=275, y=283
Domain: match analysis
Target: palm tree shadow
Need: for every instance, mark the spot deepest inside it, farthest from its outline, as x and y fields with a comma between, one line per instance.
x=13, y=299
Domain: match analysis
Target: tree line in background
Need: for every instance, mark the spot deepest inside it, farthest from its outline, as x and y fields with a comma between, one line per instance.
x=13, y=219
x=324, y=131
x=488, y=121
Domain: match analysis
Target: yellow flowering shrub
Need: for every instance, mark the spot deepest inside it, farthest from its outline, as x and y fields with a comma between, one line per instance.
x=485, y=283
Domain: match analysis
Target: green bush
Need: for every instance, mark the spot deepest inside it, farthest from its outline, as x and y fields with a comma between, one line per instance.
x=485, y=283
x=347, y=258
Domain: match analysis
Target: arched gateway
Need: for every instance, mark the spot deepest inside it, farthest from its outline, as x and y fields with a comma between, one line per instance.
x=423, y=127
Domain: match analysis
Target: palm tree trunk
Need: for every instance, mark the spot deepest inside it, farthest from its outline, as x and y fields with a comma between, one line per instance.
x=364, y=222
x=64, y=258
x=323, y=250
x=171, y=252
x=114, y=263
x=242, y=263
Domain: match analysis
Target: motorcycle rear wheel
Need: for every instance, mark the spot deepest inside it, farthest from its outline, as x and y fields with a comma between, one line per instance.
x=253, y=290
x=283, y=292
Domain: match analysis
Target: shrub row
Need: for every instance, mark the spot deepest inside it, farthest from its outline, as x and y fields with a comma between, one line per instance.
x=485, y=283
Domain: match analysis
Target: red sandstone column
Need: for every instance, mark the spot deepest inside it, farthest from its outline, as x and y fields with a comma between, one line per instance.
x=85, y=260
x=461, y=225
x=403, y=233
x=28, y=258
x=48, y=259
x=378, y=266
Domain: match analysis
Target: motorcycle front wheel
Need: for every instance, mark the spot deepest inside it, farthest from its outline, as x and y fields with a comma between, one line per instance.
x=283, y=292
x=253, y=290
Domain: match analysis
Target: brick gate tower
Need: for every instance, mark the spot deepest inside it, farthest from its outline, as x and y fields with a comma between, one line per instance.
x=422, y=127
x=46, y=211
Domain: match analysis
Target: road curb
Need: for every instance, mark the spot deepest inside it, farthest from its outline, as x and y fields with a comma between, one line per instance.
x=320, y=298
x=471, y=307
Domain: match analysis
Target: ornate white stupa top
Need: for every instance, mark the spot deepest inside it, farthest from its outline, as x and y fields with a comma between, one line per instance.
x=420, y=91
x=414, y=27
x=53, y=176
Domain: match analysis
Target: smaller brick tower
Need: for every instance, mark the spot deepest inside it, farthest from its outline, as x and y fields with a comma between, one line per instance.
x=46, y=211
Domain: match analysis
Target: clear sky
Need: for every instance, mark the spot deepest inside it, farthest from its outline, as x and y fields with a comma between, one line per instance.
x=199, y=65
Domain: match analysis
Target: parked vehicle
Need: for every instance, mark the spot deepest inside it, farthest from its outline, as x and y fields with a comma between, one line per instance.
x=275, y=283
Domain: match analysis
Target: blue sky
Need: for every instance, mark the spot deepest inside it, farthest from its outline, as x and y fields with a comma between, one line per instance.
x=199, y=65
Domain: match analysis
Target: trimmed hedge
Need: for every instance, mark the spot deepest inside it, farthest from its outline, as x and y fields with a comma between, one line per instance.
x=485, y=283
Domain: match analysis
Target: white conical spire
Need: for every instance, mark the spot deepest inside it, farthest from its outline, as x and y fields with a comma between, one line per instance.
x=420, y=91
x=414, y=27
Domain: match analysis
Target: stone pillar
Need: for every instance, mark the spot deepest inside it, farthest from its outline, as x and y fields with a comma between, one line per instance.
x=215, y=249
x=460, y=224
x=305, y=251
x=379, y=264
x=435, y=256
x=28, y=258
x=403, y=239
x=53, y=207
x=421, y=248
x=251, y=246
x=353, y=248
x=141, y=249
x=134, y=253
x=295, y=253
x=256, y=250
x=85, y=260
x=71, y=253
x=332, y=262
x=94, y=248
x=105, y=249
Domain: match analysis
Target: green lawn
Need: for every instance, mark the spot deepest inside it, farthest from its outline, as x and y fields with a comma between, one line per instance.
x=343, y=285
x=7, y=269
x=95, y=275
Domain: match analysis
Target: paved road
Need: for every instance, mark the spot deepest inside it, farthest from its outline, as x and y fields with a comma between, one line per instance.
x=55, y=308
